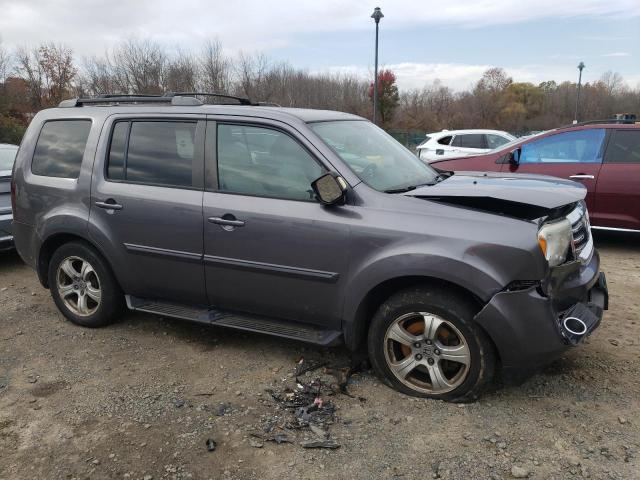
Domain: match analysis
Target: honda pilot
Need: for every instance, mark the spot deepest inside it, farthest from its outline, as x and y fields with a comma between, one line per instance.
x=305, y=224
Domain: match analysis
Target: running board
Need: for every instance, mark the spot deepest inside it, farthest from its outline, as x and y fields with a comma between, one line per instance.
x=239, y=321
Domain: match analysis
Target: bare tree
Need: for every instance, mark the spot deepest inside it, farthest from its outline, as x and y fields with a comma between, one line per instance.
x=181, y=72
x=612, y=81
x=28, y=66
x=5, y=62
x=215, y=68
x=139, y=66
x=49, y=72
x=98, y=77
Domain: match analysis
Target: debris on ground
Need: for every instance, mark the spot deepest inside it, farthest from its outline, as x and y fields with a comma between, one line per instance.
x=211, y=445
x=277, y=438
x=327, y=443
x=308, y=404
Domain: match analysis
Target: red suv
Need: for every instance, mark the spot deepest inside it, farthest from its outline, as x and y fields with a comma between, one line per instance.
x=604, y=157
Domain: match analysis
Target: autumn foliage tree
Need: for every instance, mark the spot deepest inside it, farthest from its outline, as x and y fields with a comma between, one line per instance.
x=388, y=95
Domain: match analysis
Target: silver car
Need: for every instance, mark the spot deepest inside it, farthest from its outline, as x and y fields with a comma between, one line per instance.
x=7, y=157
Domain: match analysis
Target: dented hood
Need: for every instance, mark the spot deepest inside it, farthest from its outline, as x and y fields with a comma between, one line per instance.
x=521, y=195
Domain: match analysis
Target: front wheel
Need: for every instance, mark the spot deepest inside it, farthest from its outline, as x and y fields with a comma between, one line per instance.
x=423, y=342
x=83, y=287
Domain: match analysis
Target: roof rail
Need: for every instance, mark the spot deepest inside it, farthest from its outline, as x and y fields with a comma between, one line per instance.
x=240, y=100
x=120, y=99
x=596, y=122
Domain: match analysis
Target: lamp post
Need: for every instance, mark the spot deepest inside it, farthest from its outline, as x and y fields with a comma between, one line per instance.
x=580, y=67
x=376, y=15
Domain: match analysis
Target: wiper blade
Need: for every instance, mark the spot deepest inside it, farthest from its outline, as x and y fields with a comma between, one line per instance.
x=410, y=187
x=401, y=190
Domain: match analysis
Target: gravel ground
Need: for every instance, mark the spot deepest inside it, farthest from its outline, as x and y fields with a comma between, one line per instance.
x=140, y=399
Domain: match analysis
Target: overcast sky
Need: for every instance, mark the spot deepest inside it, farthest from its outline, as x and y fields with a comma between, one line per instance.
x=421, y=40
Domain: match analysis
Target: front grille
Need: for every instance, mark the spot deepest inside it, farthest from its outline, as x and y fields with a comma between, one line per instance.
x=581, y=231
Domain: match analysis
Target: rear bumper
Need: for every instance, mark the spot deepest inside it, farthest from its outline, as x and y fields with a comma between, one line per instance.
x=529, y=326
x=6, y=233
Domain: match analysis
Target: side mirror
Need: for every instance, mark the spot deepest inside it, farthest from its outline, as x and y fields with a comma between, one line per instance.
x=330, y=189
x=514, y=157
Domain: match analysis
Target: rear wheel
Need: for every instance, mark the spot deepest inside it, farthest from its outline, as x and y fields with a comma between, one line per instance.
x=423, y=342
x=83, y=287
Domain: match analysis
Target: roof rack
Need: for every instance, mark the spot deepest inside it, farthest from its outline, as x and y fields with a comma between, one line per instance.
x=172, y=98
x=596, y=122
x=240, y=100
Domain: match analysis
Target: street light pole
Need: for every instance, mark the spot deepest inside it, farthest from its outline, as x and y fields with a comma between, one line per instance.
x=580, y=67
x=376, y=15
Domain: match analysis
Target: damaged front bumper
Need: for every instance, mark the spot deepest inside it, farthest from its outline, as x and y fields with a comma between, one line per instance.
x=532, y=326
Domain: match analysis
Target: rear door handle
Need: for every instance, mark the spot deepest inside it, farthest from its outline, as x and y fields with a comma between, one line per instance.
x=229, y=222
x=583, y=176
x=109, y=204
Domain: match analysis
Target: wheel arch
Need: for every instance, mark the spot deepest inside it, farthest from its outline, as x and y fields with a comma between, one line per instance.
x=55, y=241
x=355, y=333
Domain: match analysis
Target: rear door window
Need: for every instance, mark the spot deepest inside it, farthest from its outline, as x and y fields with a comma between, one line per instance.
x=153, y=152
x=580, y=146
x=470, y=140
x=60, y=148
x=624, y=147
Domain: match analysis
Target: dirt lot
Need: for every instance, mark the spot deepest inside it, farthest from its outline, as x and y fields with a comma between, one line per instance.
x=140, y=399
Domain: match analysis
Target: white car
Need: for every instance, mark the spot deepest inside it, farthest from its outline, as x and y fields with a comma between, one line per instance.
x=461, y=143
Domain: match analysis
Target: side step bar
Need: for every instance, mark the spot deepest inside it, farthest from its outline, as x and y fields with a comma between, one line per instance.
x=239, y=321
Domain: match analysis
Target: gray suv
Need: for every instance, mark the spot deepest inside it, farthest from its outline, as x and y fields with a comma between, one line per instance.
x=305, y=224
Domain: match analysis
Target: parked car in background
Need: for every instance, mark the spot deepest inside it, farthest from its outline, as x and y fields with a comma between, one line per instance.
x=7, y=157
x=604, y=157
x=456, y=143
x=306, y=224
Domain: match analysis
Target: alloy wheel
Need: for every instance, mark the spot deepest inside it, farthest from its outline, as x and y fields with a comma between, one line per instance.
x=79, y=286
x=427, y=353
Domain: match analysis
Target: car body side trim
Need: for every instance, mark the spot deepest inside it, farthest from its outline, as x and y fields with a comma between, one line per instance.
x=309, y=274
x=613, y=229
x=162, y=252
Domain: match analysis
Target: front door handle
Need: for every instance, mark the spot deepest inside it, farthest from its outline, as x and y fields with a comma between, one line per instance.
x=109, y=204
x=230, y=221
x=582, y=176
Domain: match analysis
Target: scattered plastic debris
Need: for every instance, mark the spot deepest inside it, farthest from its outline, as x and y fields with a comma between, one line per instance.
x=277, y=438
x=327, y=443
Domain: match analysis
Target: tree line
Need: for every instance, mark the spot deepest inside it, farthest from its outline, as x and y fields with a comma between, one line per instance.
x=33, y=78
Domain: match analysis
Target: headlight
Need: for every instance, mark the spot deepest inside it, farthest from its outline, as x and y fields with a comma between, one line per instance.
x=554, y=239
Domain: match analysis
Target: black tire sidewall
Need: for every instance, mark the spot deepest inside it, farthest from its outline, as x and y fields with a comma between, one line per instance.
x=111, y=300
x=449, y=307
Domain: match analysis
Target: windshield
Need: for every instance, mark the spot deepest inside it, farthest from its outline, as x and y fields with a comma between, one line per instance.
x=7, y=156
x=376, y=157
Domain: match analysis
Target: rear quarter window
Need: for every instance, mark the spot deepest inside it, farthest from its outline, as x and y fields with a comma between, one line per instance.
x=60, y=148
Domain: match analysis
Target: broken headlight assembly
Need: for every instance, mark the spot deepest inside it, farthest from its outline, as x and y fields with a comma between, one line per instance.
x=555, y=239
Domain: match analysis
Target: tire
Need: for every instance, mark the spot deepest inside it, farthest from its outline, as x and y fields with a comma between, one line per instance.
x=455, y=352
x=76, y=271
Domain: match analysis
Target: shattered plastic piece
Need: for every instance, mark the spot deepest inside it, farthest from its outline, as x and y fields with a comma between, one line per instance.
x=211, y=445
x=328, y=443
x=277, y=438
x=222, y=409
x=319, y=432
